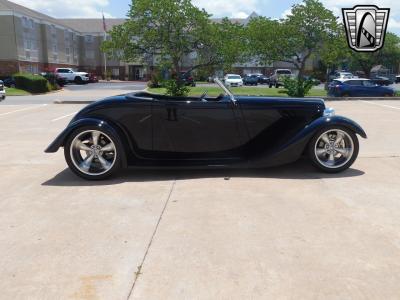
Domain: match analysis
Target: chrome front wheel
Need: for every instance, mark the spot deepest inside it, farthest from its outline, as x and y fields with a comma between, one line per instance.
x=92, y=154
x=334, y=149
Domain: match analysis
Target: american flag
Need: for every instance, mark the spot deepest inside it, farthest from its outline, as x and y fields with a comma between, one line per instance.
x=104, y=24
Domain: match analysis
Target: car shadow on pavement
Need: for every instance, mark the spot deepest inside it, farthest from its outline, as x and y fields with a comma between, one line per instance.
x=301, y=170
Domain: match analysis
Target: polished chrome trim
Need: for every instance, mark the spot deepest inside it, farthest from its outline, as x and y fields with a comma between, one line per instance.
x=226, y=90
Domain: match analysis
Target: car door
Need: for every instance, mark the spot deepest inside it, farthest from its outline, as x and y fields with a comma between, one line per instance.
x=356, y=88
x=188, y=128
x=371, y=88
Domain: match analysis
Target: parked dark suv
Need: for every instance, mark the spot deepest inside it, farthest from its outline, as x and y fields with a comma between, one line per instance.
x=250, y=80
x=9, y=82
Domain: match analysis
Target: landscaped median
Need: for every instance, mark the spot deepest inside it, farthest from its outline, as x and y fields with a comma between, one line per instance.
x=16, y=92
x=243, y=91
x=28, y=84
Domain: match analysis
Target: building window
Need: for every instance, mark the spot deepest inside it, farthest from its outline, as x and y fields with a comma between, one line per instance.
x=90, y=54
x=88, y=38
x=115, y=72
x=66, y=35
x=53, y=30
x=55, y=48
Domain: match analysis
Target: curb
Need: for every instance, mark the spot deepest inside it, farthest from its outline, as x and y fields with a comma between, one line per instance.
x=359, y=98
x=74, y=102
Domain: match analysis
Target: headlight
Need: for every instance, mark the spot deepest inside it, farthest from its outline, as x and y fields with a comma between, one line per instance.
x=329, y=112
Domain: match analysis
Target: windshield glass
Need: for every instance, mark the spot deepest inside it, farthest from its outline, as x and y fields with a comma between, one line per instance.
x=234, y=77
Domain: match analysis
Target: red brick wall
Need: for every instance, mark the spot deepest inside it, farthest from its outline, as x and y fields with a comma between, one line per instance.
x=8, y=68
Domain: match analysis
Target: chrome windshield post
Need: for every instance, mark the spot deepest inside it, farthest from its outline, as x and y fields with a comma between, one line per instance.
x=226, y=90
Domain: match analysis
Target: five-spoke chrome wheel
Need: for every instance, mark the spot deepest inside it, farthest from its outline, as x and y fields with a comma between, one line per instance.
x=334, y=149
x=93, y=153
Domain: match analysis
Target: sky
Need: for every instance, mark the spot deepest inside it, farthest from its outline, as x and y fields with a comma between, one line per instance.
x=218, y=8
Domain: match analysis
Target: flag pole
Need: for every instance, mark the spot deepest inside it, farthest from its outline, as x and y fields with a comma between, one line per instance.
x=105, y=39
x=105, y=58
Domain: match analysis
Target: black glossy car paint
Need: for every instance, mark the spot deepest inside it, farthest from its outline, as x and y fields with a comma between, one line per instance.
x=159, y=131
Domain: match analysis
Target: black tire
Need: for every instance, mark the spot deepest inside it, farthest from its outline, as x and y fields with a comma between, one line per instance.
x=78, y=80
x=316, y=162
x=270, y=86
x=277, y=85
x=118, y=155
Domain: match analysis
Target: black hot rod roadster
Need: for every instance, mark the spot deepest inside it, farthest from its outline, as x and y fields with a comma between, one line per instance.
x=144, y=130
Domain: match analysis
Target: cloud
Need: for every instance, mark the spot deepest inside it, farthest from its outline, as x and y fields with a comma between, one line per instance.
x=394, y=22
x=286, y=13
x=68, y=8
x=229, y=8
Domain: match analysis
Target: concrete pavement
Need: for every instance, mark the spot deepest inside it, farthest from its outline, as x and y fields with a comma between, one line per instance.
x=282, y=233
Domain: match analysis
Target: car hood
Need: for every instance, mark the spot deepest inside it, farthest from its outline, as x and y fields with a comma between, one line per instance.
x=316, y=103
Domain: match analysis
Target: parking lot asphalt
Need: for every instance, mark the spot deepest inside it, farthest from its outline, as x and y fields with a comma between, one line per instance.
x=283, y=233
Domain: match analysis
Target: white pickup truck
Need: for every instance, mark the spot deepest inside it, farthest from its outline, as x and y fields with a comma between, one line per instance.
x=70, y=75
x=2, y=91
x=277, y=78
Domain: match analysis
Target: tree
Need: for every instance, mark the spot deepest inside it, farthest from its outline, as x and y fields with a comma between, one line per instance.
x=389, y=55
x=170, y=31
x=335, y=52
x=303, y=33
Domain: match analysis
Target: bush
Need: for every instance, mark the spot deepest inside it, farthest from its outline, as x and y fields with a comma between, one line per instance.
x=34, y=84
x=297, y=87
x=176, y=88
x=155, y=80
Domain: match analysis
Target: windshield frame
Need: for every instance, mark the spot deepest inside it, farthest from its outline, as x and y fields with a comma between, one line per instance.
x=225, y=89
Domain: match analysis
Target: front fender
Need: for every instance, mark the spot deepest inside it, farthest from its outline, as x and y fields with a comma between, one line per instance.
x=338, y=121
x=62, y=137
x=295, y=147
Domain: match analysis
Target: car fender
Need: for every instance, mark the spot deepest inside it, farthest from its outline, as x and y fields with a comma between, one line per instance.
x=63, y=136
x=304, y=136
x=295, y=147
x=335, y=120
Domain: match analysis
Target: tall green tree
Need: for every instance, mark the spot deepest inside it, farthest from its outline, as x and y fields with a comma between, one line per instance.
x=171, y=31
x=305, y=32
x=389, y=56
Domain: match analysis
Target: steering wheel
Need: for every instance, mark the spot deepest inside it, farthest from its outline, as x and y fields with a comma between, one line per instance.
x=203, y=96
